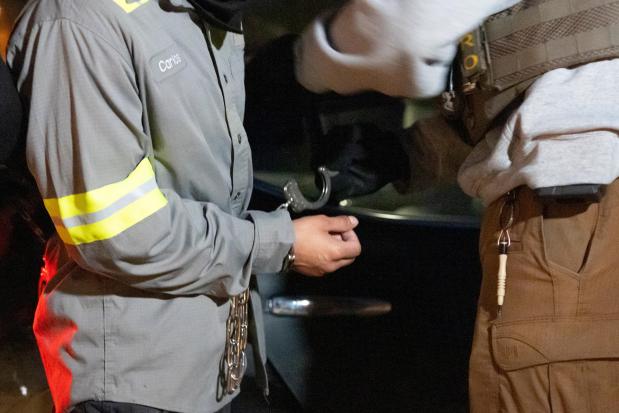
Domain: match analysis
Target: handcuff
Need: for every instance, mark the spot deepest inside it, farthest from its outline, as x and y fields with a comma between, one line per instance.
x=297, y=202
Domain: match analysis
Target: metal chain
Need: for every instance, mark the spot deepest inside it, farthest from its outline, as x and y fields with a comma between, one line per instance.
x=235, y=359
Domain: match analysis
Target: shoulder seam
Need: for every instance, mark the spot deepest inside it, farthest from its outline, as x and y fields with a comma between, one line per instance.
x=87, y=29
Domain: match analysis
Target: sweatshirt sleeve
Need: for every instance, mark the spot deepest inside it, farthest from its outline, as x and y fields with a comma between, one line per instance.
x=397, y=47
x=93, y=164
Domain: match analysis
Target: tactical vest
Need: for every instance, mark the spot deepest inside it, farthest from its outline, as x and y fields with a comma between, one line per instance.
x=502, y=58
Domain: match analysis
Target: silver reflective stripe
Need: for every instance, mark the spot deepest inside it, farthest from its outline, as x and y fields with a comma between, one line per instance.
x=126, y=200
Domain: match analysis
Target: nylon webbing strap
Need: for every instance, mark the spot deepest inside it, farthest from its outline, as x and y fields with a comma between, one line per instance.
x=536, y=36
x=502, y=58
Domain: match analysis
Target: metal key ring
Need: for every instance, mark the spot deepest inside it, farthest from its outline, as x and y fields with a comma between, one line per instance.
x=504, y=235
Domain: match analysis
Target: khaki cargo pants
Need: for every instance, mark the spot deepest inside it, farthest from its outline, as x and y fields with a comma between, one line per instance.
x=555, y=347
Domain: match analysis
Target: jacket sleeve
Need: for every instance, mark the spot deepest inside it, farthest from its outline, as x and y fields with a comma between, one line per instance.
x=399, y=47
x=93, y=163
x=435, y=152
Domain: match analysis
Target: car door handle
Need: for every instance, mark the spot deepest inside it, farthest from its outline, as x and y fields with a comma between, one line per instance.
x=326, y=306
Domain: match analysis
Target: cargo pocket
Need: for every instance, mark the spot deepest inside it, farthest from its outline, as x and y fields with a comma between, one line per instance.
x=568, y=230
x=558, y=365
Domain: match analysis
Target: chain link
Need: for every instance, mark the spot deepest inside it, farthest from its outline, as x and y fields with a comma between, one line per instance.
x=235, y=359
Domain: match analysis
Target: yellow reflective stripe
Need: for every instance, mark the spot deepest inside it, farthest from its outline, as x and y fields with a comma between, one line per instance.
x=127, y=6
x=107, y=211
x=115, y=224
x=100, y=198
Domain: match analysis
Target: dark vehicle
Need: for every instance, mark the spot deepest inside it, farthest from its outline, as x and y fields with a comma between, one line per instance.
x=392, y=332
x=412, y=359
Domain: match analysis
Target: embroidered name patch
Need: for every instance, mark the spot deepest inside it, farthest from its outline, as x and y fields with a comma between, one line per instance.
x=167, y=63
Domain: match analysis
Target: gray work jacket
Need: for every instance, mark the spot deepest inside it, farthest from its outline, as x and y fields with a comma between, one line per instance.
x=136, y=142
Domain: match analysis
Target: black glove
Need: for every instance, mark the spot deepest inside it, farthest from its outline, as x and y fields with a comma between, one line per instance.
x=365, y=158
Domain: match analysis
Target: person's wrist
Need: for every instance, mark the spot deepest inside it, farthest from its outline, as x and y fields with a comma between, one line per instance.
x=288, y=260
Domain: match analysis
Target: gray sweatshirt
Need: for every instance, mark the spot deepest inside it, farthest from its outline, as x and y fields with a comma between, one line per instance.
x=564, y=133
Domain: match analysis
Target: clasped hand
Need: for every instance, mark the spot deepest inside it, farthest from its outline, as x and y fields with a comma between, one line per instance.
x=324, y=244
